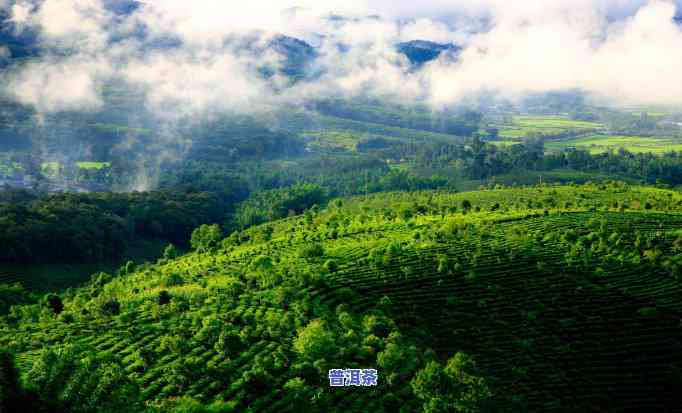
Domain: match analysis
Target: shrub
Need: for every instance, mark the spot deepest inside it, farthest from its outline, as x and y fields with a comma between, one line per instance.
x=314, y=341
x=111, y=307
x=331, y=266
x=206, y=237
x=170, y=252
x=312, y=251
x=164, y=297
x=54, y=302
x=173, y=279
x=66, y=317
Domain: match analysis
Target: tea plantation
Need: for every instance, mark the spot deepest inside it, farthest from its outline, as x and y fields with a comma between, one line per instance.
x=541, y=299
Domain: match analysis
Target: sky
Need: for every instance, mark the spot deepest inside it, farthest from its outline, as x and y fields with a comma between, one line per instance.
x=620, y=52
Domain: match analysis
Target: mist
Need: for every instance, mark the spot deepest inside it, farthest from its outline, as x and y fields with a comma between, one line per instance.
x=617, y=51
x=188, y=63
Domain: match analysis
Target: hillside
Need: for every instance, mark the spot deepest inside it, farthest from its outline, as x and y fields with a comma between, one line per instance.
x=551, y=298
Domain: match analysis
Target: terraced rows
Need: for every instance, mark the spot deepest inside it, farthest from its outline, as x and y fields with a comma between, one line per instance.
x=558, y=333
x=579, y=341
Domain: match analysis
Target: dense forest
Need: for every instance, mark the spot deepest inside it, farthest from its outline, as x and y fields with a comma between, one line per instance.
x=98, y=226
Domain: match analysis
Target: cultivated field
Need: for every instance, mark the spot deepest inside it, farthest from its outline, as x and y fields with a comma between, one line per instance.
x=605, y=143
x=554, y=290
x=527, y=126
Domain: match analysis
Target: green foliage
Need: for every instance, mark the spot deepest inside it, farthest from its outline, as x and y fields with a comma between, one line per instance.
x=279, y=203
x=256, y=325
x=164, y=297
x=173, y=280
x=190, y=405
x=12, y=294
x=67, y=381
x=457, y=387
x=11, y=392
x=206, y=237
x=54, y=302
x=311, y=251
x=110, y=307
x=170, y=252
x=331, y=266
x=99, y=226
x=314, y=341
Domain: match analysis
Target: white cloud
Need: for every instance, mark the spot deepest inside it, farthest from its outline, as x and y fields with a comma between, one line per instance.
x=545, y=48
x=20, y=13
x=196, y=82
x=52, y=85
x=529, y=46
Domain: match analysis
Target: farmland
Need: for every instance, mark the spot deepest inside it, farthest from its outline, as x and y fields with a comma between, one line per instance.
x=548, y=290
x=604, y=143
x=533, y=125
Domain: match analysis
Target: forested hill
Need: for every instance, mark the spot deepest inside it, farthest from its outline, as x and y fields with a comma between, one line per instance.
x=497, y=300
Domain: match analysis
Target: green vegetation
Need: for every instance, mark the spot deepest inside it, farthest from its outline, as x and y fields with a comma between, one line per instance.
x=533, y=126
x=507, y=299
x=604, y=143
x=93, y=165
x=280, y=246
x=51, y=169
x=99, y=226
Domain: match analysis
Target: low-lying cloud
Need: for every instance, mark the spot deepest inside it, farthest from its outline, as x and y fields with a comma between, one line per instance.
x=215, y=53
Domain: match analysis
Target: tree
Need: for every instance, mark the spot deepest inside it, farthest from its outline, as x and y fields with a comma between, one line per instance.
x=170, y=252
x=10, y=389
x=164, y=297
x=457, y=387
x=173, y=279
x=54, y=303
x=111, y=307
x=314, y=341
x=300, y=395
x=397, y=359
x=229, y=343
x=206, y=237
x=262, y=263
x=311, y=251
x=331, y=266
x=466, y=205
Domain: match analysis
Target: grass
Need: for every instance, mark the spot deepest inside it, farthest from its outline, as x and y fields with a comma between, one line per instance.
x=527, y=125
x=93, y=165
x=109, y=127
x=51, y=169
x=603, y=143
x=360, y=128
x=333, y=139
x=54, y=169
x=8, y=169
x=503, y=143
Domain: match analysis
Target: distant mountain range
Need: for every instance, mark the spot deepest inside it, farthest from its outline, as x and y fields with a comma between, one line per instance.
x=20, y=44
x=299, y=55
x=423, y=51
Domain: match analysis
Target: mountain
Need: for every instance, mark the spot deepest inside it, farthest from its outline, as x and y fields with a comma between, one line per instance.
x=299, y=55
x=423, y=51
x=21, y=44
x=513, y=299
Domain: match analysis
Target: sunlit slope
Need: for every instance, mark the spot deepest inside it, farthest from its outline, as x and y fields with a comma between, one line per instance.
x=568, y=298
